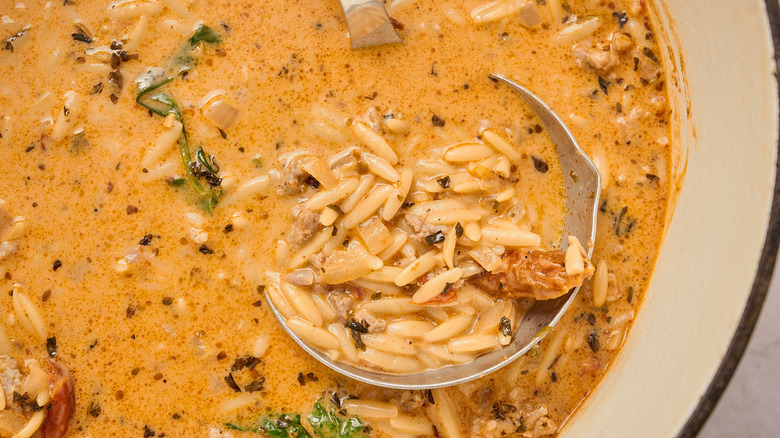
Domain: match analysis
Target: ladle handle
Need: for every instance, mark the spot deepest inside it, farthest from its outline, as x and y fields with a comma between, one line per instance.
x=368, y=23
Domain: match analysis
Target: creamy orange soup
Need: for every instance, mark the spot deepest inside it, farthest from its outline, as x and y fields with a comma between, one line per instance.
x=137, y=267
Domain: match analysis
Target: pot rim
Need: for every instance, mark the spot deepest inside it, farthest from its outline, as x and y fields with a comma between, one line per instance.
x=761, y=282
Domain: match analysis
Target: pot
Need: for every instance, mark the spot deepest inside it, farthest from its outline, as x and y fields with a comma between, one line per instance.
x=714, y=269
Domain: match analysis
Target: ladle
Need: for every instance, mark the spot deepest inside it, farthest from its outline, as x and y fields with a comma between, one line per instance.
x=582, y=184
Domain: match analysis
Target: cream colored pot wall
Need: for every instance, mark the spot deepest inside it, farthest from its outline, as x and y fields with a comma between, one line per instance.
x=711, y=253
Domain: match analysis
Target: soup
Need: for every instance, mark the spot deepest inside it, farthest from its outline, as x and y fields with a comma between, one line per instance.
x=163, y=157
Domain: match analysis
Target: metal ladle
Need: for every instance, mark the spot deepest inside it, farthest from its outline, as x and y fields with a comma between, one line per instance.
x=582, y=184
x=368, y=23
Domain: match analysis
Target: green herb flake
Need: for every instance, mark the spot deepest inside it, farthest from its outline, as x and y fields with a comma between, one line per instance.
x=177, y=182
x=283, y=426
x=330, y=425
x=210, y=203
x=324, y=423
x=232, y=426
x=272, y=430
x=257, y=161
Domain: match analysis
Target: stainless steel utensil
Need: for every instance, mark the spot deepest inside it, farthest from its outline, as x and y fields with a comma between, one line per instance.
x=368, y=23
x=582, y=183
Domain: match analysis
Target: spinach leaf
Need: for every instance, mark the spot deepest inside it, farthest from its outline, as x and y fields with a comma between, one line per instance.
x=205, y=34
x=272, y=430
x=283, y=426
x=325, y=425
x=162, y=104
x=236, y=427
x=351, y=428
x=297, y=428
x=330, y=425
x=321, y=421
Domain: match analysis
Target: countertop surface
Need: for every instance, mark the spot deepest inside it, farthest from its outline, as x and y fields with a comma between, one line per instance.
x=750, y=407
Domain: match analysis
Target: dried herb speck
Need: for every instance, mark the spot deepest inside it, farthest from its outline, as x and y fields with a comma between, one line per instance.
x=621, y=17
x=593, y=341
x=500, y=410
x=246, y=362
x=505, y=326
x=312, y=182
x=79, y=36
x=649, y=53
x=603, y=84
x=146, y=240
x=231, y=382
x=434, y=238
x=8, y=43
x=540, y=165
x=438, y=121
x=458, y=230
x=256, y=385
x=51, y=346
x=357, y=329
x=26, y=402
x=94, y=409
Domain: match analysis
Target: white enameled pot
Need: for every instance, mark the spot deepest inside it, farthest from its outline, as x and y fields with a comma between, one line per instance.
x=719, y=251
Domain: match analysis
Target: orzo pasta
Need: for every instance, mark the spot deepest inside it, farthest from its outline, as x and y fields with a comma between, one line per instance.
x=170, y=164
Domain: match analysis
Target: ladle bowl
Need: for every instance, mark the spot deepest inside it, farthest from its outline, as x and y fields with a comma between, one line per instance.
x=582, y=184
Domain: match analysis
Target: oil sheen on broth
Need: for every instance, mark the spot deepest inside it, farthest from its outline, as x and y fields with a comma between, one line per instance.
x=150, y=295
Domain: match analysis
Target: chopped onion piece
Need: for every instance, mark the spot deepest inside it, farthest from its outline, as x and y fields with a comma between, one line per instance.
x=221, y=113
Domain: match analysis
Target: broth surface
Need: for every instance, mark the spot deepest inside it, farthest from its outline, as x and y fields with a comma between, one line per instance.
x=150, y=319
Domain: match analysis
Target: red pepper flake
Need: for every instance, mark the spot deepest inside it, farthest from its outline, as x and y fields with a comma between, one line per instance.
x=57, y=265
x=132, y=209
